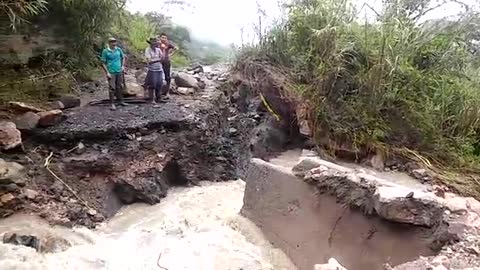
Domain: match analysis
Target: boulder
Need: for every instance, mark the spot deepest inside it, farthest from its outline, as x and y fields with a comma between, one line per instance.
x=133, y=89
x=377, y=161
x=183, y=79
x=30, y=194
x=10, y=136
x=45, y=244
x=50, y=118
x=24, y=240
x=144, y=190
x=11, y=173
x=185, y=91
x=57, y=105
x=68, y=102
x=21, y=107
x=140, y=76
x=27, y=121
x=6, y=198
x=406, y=206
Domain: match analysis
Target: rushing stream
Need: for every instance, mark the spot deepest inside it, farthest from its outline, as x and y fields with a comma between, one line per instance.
x=193, y=228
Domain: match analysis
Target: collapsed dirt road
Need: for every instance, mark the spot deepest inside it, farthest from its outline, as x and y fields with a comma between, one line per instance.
x=99, y=160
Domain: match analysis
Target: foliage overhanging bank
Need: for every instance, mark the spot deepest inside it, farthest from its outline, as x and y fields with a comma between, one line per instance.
x=398, y=83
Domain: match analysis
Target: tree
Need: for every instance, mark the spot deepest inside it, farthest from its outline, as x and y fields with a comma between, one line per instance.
x=18, y=10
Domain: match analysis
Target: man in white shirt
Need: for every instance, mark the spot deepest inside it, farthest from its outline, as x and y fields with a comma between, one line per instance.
x=154, y=79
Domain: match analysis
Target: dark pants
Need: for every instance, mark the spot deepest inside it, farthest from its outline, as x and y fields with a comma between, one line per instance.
x=153, y=82
x=116, y=87
x=166, y=71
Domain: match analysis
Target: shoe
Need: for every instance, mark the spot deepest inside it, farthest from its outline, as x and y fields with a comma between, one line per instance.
x=113, y=108
x=123, y=104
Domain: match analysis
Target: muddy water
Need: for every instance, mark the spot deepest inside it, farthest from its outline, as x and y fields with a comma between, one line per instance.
x=193, y=228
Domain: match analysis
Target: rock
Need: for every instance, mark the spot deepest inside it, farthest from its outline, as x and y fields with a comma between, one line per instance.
x=21, y=107
x=183, y=79
x=140, y=76
x=332, y=264
x=233, y=131
x=9, y=188
x=24, y=240
x=57, y=188
x=133, y=89
x=27, y=121
x=309, y=153
x=6, y=198
x=302, y=113
x=196, y=69
x=100, y=163
x=98, y=218
x=378, y=161
x=57, y=105
x=11, y=172
x=304, y=166
x=47, y=244
x=10, y=136
x=146, y=190
x=62, y=222
x=92, y=212
x=89, y=87
x=462, y=205
x=423, y=209
x=222, y=78
x=50, y=118
x=440, y=260
x=81, y=148
x=474, y=250
x=202, y=85
x=420, y=173
x=185, y=91
x=69, y=102
x=30, y=194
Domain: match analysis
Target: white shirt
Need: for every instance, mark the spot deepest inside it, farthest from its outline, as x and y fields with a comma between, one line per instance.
x=154, y=55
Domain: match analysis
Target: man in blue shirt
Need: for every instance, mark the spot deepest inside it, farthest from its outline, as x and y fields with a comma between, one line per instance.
x=113, y=63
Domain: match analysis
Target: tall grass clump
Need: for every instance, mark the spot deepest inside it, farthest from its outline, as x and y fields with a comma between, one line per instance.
x=397, y=83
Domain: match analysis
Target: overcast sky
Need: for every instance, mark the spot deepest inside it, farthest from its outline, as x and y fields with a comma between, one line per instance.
x=222, y=20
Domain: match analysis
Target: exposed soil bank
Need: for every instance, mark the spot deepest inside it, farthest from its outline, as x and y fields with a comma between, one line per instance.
x=107, y=159
x=361, y=226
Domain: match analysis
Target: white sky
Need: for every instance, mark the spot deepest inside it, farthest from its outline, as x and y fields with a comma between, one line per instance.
x=222, y=20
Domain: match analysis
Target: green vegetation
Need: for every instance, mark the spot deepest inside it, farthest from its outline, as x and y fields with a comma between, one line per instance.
x=77, y=30
x=393, y=84
x=84, y=25
x=16, y=11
